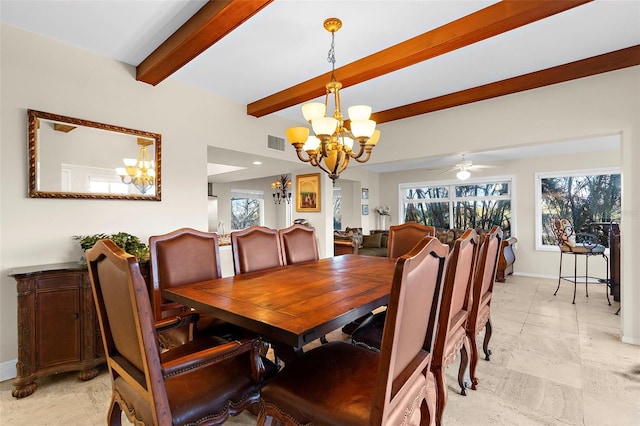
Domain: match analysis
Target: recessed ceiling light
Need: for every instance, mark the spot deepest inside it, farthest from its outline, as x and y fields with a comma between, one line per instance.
x=257, y=163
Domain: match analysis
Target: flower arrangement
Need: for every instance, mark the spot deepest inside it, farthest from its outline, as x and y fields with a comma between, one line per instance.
x=383, y=210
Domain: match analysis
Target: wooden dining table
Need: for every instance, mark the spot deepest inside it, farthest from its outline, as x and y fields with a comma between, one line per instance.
x=294, y=304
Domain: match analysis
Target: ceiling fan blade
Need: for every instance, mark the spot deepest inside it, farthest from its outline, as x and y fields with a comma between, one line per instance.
x=485, y=166
x=453, y=169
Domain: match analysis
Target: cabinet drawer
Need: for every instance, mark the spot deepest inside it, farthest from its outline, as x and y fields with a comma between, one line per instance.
x=48, y=282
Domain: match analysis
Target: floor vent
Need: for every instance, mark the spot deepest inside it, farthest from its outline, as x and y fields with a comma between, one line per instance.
x=275, y=143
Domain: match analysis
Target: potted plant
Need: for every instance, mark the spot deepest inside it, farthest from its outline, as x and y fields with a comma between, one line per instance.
x=129, y=243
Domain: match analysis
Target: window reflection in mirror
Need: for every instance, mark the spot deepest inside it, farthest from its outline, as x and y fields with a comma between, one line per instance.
x=76, y=158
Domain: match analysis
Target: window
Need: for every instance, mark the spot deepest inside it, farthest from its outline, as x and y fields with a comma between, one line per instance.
x=455, y=205
x=337, y=209
x=247, y=208
x=583, y=197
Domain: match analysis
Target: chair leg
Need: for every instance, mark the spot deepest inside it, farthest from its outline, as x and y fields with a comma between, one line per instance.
x=488, y=331
x=559, y=275
x=464, y=363
x=473, y=362
x=441, y=389
x=114, y=417
x=575, y=277
x=586, y=273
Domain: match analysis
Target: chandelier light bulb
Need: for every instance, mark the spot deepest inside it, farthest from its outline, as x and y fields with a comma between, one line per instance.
x=324, y=126
x=359, y=112
x=313, y=110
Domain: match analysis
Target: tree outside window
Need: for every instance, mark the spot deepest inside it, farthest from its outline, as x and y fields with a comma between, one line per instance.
x=471, y=205
x=246, y=209
x=585, y=199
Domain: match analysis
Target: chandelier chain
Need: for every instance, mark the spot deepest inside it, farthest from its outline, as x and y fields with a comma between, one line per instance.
x=331, y=56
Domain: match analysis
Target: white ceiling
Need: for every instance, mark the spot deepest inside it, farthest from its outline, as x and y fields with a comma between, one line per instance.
x=285, y=44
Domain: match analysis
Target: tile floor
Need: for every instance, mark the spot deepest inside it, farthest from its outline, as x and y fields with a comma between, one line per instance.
x=553, y=363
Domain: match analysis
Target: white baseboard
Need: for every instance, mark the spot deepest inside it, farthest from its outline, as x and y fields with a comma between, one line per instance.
x=527, y=274
x=630, y=340
x=8, y=370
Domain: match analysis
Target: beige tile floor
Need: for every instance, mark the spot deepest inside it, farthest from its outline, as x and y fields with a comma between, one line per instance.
x=553, y=363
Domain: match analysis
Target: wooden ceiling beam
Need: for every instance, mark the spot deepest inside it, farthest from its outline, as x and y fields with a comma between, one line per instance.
x=481, y=25
x=611, y=61
x=211, y=23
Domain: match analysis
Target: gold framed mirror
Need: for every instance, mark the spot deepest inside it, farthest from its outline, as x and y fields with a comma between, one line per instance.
x=75, y=158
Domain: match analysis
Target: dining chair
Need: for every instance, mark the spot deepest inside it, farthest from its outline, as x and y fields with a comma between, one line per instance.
x=182, y=257
x=482, y=290
x=401, y=240
x=256, y=248
x=203, y=381
x=343, y=384
x=451, y=337
x=298, y=243
x=403, y=237
x=587, y=247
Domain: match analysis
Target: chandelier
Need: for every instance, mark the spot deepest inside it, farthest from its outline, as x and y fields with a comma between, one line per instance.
x=139, y=173
x=281, y=189
x=332, y=146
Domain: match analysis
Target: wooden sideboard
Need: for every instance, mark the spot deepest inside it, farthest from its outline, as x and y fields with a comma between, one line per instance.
x=58, y=328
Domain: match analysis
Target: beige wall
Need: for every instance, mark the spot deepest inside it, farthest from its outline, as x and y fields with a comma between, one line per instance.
x=50, y=76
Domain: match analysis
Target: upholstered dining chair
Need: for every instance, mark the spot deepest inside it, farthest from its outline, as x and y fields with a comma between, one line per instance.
x=256, y=248
x=480, y=312
x=181, y=257
x=201, y=382
x=298, y=243
x=587, y=247
x=401, y=240
x=403, y=237
x=451, y=336
x=343, y=384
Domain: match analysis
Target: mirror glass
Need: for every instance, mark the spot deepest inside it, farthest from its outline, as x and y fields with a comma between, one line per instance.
x=75, y=158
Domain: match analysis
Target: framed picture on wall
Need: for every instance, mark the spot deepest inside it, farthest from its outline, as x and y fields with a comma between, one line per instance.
x=308, y=193
x=365, y=209
x=365, y=193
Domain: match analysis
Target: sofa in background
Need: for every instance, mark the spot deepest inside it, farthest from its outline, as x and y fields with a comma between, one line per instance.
x=351, y=241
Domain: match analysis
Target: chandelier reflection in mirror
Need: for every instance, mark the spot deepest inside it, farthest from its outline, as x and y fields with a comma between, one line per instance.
x=332, y=146
x=281, y=189
x=139, y=173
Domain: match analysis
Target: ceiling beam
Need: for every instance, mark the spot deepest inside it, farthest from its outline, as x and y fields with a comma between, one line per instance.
x=211, y=23
x=483, y=24
x=611, y=61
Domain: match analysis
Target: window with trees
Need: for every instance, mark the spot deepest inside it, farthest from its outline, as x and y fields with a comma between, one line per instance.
x=247, y=209
x=337, y=209
x=587, y=198
x=455, y=205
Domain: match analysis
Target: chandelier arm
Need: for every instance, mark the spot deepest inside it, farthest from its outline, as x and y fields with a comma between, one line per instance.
x=360, y=151
x=323, y=145
x=344, y=164
x=300, y=157
x=324, y=169
x=366, y=158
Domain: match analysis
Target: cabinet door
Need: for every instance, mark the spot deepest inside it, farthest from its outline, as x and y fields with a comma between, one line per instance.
x=58, y=326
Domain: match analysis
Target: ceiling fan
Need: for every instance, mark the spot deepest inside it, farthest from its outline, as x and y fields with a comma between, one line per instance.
x=464, y=167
